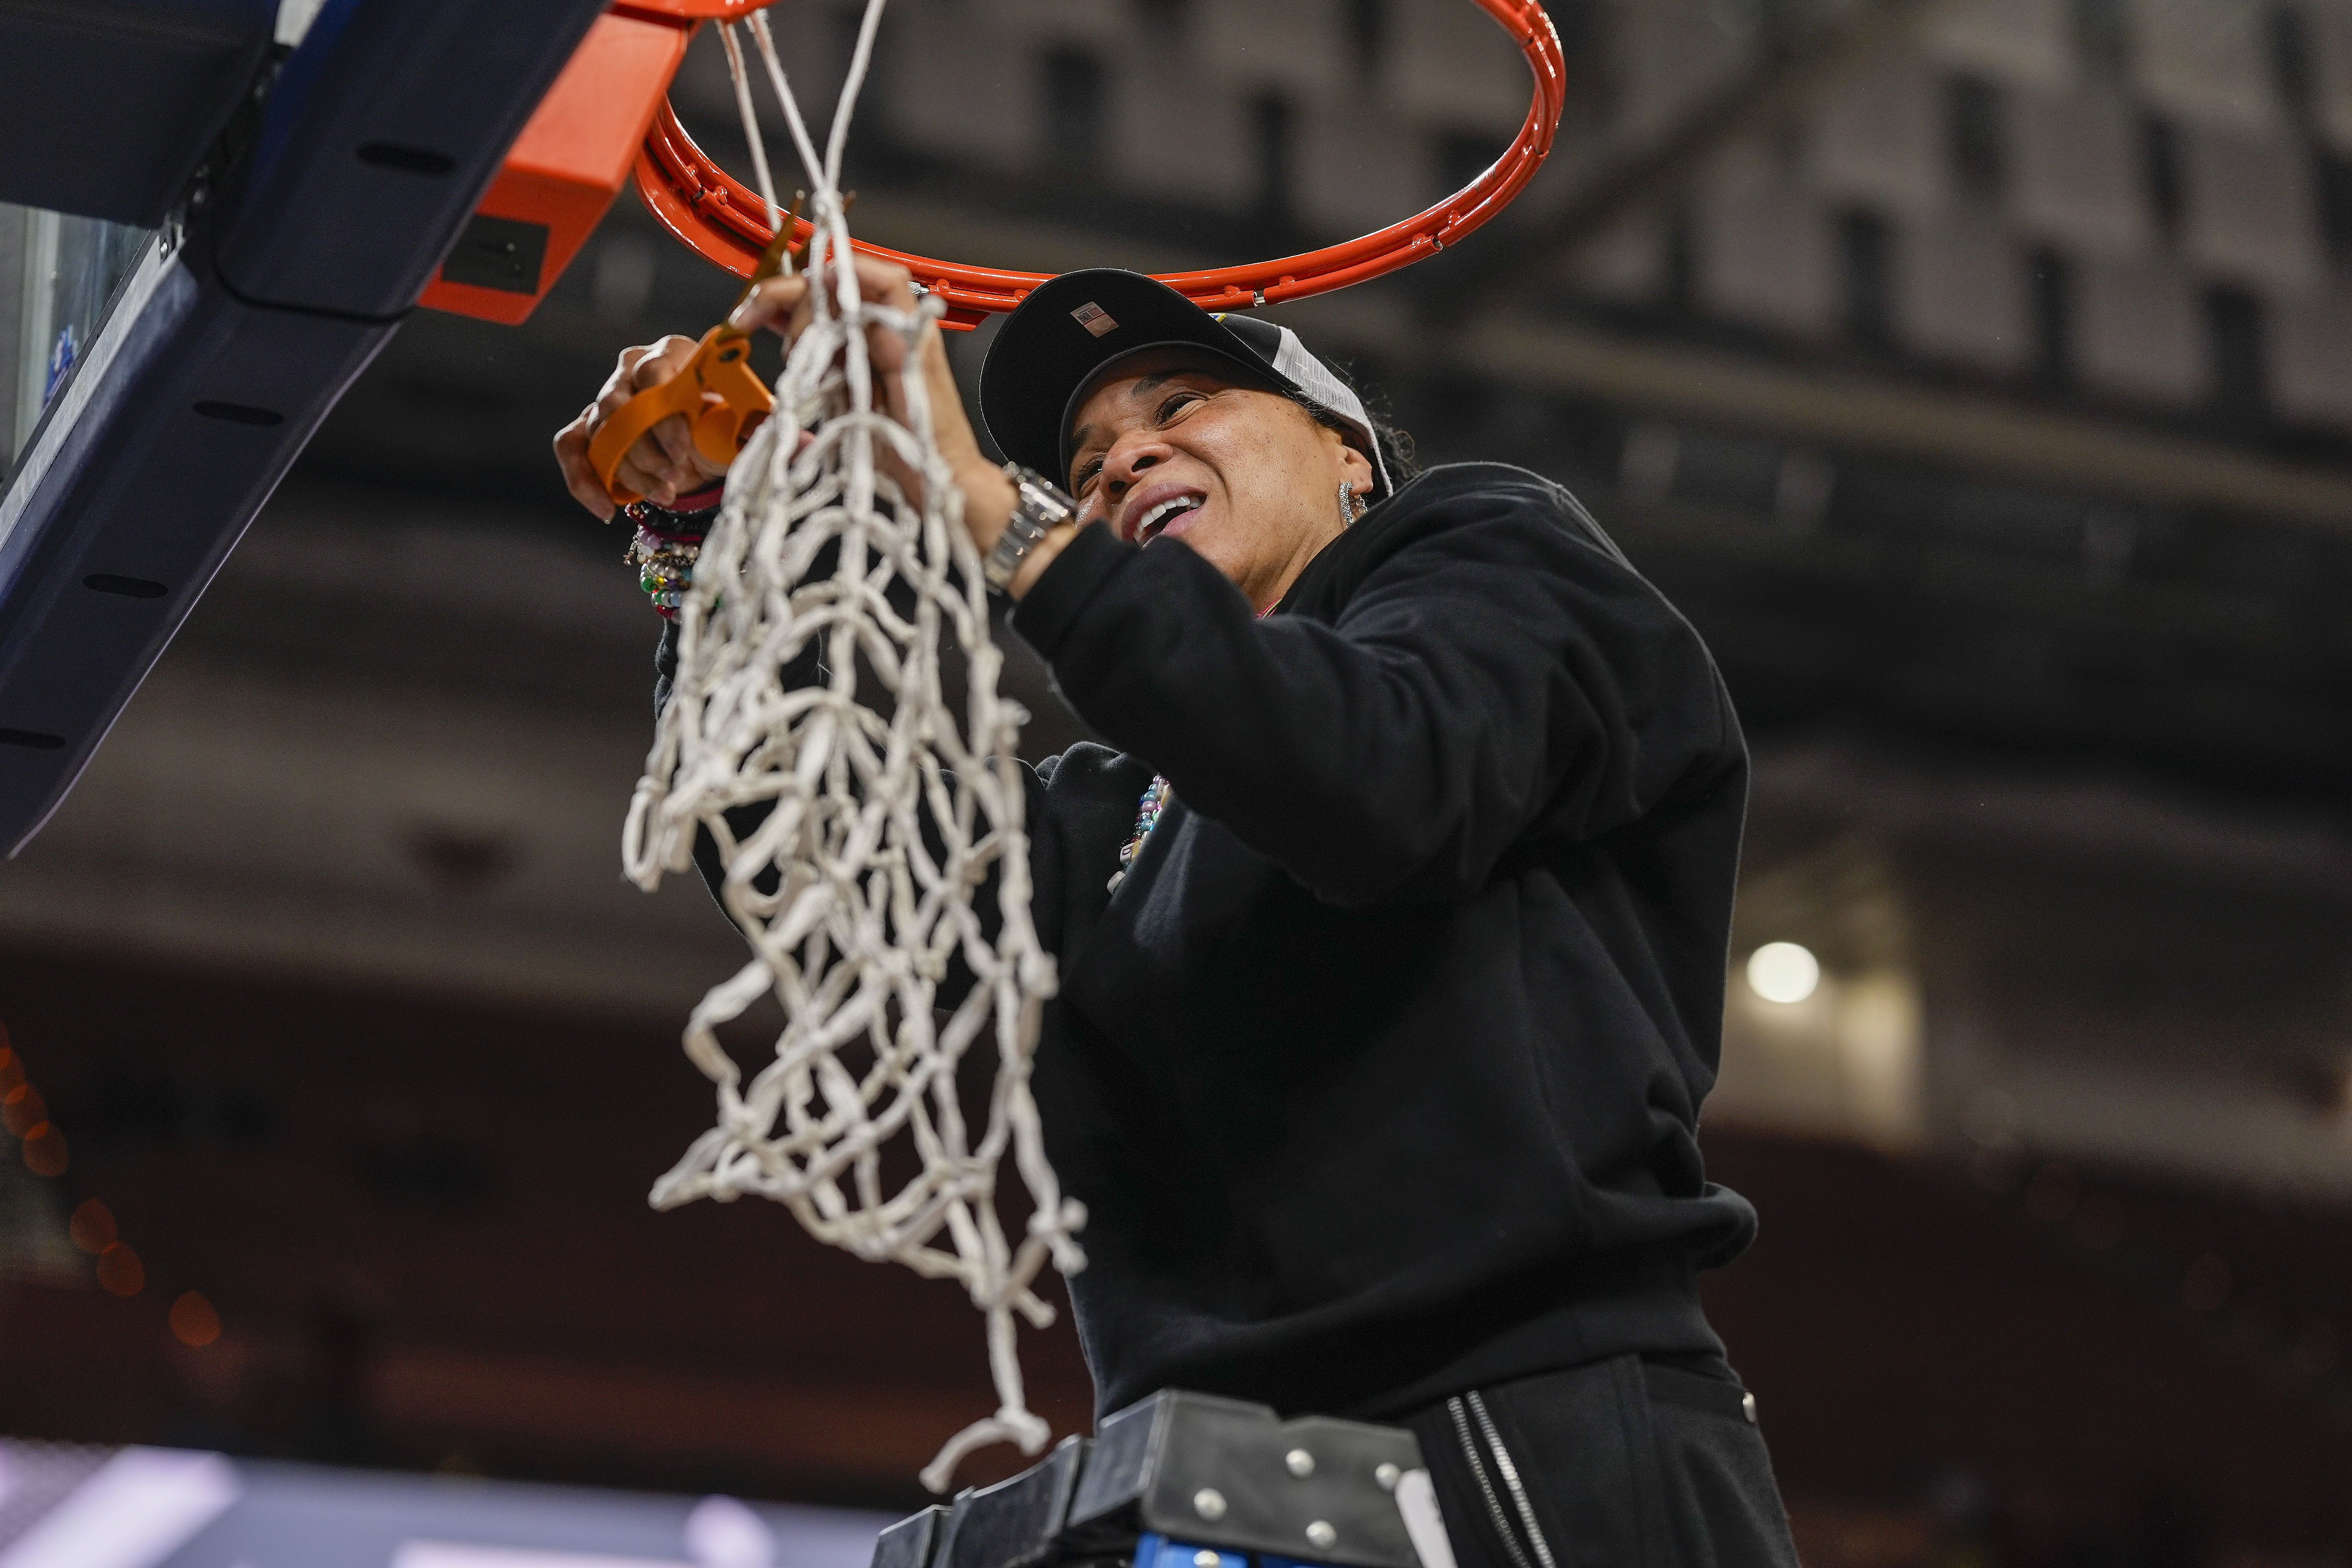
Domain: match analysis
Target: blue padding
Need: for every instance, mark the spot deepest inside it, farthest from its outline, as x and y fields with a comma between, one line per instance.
x=389, y=119
x=197, y=395
x=1160, y=1551
x=142, y=489
x=110, y=104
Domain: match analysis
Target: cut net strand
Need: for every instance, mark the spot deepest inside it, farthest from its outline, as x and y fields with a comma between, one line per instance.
x=855, y=844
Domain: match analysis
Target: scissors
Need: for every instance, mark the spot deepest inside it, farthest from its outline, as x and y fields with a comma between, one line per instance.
x=721, y=365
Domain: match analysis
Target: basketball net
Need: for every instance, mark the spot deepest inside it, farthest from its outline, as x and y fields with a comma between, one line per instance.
x=856, y=887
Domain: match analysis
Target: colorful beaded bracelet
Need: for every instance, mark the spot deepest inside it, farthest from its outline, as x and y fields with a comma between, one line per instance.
x=667, y=543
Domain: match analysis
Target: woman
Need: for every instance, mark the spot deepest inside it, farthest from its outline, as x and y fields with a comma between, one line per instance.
x=1391, y=936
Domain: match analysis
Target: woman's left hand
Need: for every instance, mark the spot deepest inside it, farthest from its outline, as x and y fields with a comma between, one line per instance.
x=784, y=304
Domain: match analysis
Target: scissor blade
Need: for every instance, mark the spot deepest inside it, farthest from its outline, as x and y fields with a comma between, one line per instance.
x=780, y=248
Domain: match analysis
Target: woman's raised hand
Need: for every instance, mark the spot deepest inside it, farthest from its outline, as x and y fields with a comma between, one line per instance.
x=664, y=464
x=784, y=304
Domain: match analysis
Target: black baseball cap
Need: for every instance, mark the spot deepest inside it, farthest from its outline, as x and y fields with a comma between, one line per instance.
x=1048, y=352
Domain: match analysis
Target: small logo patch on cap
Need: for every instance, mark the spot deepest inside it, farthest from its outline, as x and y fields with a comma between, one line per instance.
x=1093, y=319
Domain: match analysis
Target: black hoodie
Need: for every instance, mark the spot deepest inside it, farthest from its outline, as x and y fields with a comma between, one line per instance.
x=1380, y=1074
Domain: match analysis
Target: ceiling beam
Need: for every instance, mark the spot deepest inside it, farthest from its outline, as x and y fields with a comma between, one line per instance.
x=1851, y=412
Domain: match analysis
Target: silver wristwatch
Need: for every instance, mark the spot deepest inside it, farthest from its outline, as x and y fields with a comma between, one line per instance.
x=1037, y=509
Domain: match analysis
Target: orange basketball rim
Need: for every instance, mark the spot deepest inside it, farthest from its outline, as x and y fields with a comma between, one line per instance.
x=725, y=220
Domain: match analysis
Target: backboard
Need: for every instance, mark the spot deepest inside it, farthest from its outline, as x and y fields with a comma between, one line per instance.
x=155, y=385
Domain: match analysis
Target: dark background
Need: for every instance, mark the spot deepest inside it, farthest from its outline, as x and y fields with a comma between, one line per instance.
x=1973, y=376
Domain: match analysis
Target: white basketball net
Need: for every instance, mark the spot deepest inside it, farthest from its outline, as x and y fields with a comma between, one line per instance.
x=860, y=919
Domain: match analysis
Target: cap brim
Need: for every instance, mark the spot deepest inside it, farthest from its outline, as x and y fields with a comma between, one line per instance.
x=1069, y=328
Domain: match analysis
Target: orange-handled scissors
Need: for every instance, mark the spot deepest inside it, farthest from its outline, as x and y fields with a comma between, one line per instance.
x=721, y=366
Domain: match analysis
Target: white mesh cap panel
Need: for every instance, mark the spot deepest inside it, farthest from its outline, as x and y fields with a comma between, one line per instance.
x=1314, y=378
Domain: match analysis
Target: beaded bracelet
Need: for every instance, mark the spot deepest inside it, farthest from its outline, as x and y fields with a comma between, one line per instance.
x=665, y=569
x=667, y=542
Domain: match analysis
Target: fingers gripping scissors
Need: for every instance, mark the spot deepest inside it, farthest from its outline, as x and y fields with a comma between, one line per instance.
x=720, y=369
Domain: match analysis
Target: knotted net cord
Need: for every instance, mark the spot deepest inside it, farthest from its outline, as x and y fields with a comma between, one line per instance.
x=853, y=916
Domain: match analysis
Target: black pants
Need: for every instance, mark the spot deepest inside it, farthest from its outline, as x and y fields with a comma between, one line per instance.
x=1621, y=1464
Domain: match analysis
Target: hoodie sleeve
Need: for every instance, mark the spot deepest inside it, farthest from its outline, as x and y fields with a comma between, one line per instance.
x=1500, y=671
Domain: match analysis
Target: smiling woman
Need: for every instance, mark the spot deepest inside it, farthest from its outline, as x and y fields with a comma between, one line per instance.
x=1392, y=924
x=1247, y=478
x=1299, y=472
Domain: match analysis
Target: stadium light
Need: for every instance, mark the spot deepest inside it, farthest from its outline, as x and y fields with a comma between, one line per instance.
x=1783, y=971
